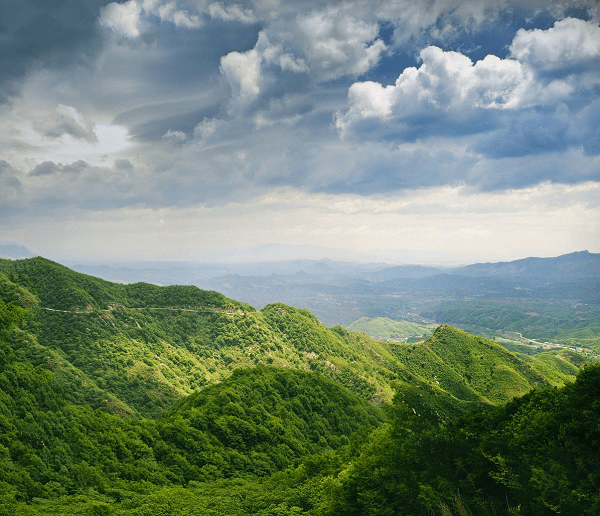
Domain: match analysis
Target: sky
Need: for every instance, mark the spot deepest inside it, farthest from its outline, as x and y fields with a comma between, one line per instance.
x=371, y=130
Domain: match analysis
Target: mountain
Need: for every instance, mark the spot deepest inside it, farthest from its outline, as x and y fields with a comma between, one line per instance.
x=530, y=456
x=14, y=251
x=130, y=399
x=382, y=328
x=494, y=299
x=577, y=265
x=147, y=345
x=405, y=272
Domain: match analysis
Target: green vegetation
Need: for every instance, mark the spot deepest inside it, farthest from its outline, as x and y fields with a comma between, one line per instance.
x=382, y=328
x=476, y=369
x=137, y=399
x=531, y=456
x=570, y=323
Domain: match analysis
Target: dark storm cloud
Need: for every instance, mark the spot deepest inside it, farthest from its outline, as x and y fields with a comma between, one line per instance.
x=45, y=33
x=45, y=169
x=48, y=168
x=5, y=167
x=539, y=131
x=58, y=188
x=124, y=164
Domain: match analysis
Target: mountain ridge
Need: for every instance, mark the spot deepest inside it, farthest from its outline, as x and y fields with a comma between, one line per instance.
x=136, y=399
x=149, y=345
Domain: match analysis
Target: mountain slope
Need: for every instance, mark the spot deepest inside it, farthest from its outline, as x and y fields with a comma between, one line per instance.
x=475, y=369
x=146, y=346
x=582, y=264
x=536, y=455
x=382, y=328
x=111, y=392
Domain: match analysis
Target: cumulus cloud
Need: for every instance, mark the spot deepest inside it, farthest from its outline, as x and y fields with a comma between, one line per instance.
x=67, y=120
x=179, y=17
x=130, y=18
x=320, y=46
x=124, y=19
x=233, y=12
x=173, y=135
x=337, y=44
x=526, y=110
x=446, y=81
x=242, y=70
x=570, y=43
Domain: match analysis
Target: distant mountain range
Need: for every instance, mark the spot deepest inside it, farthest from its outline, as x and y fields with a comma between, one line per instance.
x=14, y=251
x=340, y=292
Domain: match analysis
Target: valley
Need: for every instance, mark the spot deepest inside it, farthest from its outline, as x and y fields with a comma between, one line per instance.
x=545, y=299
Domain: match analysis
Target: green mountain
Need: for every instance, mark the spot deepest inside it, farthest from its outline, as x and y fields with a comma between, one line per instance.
x=127, y=398
x=135, y=349
x=536, y=455
x=383, y=328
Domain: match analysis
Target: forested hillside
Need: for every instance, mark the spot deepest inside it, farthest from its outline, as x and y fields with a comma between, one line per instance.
x=137, y=399
x=536, y=455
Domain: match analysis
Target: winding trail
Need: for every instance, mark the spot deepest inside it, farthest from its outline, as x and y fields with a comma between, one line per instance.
x=174, y=309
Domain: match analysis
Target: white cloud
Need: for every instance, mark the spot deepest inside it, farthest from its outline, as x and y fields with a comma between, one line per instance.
x=449, y=88
x=242, y=70
x=274, y=54
x=179, y=17
x=233, y=12
x=208, y=128
x=445, y=82
x=174, y=135
x=337, y=44
x=66, y=120
x=569, y=43
x=124, y=19
x=317, y=47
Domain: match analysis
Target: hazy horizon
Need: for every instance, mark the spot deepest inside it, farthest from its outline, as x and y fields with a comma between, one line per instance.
x=275, y=253
x=446, y=132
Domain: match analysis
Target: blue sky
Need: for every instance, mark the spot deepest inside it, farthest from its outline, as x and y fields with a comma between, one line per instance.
x=358, y=129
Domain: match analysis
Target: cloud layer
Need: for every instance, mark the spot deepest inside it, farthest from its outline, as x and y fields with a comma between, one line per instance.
x=190, y=105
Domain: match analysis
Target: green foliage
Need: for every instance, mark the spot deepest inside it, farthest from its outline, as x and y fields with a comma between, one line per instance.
x=255, y=423
x=60, y=288
x=138, y=399
x=570, y=323
x=535, y=455
x=383, y=328
x=453, y=365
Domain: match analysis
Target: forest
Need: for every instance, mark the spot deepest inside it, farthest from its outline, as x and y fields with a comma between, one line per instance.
x=137, y=399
